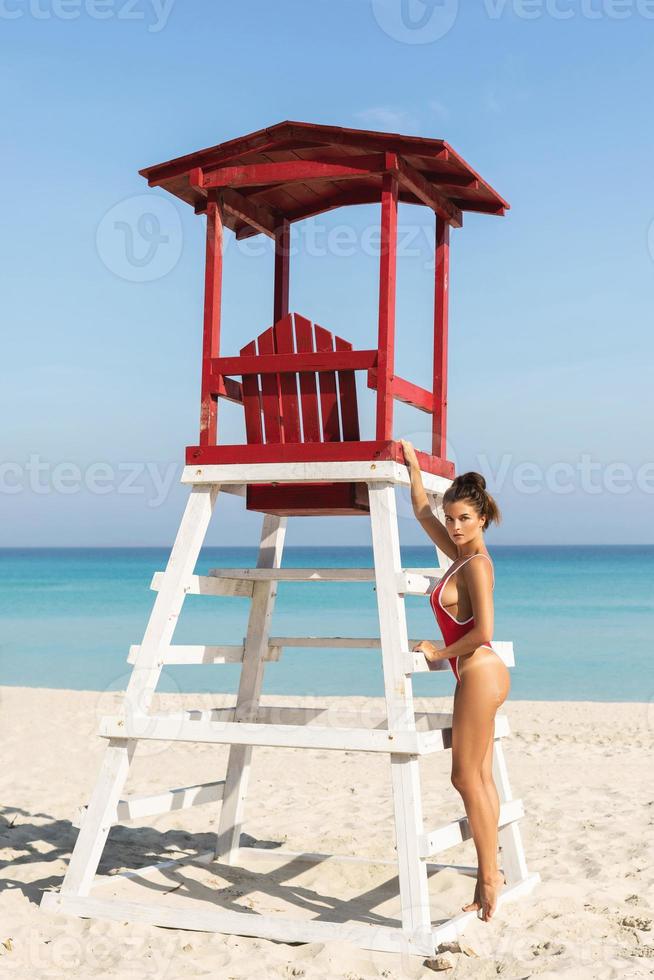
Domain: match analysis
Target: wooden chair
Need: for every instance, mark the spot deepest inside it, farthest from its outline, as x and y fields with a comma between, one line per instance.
x=301, y=406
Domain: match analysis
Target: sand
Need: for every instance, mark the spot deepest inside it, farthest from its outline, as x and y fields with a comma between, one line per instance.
x=583, y=770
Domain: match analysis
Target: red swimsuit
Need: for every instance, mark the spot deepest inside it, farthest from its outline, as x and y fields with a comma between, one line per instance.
x=450, y=627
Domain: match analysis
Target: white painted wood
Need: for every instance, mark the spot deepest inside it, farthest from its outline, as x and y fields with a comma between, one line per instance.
x=346, y=642
x=295, y=574
x=405, y=776
x=181, y=728
x=512, y=855
x=381, y=471
x=140, y=689
x=415, y=663
x=458, y=831
x=136, y=807
x=180, y=654
x=205, y=585
x=212, y=919
x=414, y=583
x=249, y=723
x=271, y=547
x=316, y=574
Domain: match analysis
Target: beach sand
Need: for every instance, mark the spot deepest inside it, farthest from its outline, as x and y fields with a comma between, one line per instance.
x=582, y=769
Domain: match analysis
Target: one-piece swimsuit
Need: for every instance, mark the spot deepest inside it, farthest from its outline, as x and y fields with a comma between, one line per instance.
x=450, y=627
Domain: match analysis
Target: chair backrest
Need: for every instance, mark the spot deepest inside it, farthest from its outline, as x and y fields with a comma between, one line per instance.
x=299, y=406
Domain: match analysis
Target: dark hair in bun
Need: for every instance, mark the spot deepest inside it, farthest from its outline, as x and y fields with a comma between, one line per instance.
x=472, y=486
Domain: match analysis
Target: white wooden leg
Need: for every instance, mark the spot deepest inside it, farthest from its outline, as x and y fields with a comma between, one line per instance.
x=170, y=598
x=405, y=776
x=249, y=689
x=512, y=859
x=142, y=684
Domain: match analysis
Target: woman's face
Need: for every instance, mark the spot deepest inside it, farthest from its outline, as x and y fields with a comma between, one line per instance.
x=462, y=521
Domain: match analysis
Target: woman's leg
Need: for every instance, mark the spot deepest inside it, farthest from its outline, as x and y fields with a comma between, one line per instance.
x=494, y=800
x=483, y=687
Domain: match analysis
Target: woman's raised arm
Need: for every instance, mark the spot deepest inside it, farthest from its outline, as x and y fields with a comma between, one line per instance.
x=421, y=508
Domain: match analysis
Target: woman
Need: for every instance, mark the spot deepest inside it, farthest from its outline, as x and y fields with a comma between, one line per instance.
x=463, y=605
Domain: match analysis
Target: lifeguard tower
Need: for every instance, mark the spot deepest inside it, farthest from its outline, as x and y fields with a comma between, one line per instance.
x=303, y=454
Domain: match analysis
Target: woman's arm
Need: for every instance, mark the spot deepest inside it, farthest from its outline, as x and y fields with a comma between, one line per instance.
x=434, y=528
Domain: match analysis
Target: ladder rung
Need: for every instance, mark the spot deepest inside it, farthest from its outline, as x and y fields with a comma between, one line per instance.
x=459, y=830
x=346, y=642
x=338, y=717
x=137, y=807
x=182, y=728
x=295, y=574
x=415, y=663
x=179, y=654
x=418, y=581
x=414, y=580
x=207, y=585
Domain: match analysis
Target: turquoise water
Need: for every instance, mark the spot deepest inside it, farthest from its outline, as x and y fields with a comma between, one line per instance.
x=580, y=619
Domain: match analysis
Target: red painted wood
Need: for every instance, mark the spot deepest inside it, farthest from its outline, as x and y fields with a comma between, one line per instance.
x=283, y=331
x=405, y=391
x=282, y=270
x=327, y=384
x=304, y=452
x=347, y=390
x=413, y=180
x=307, y=382
x=257, y=216
x=356, y=360
x=293, y=145
x=308, y=499
x=441, y=302
x=251, y=400
x=288, y=171
x=213, y=271
x=386, y=331
x=270, y=394
x=230, y=390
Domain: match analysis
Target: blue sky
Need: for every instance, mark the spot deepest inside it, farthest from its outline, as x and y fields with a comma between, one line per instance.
x=550, y=389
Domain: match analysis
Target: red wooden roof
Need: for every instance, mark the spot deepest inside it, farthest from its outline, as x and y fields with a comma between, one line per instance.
x=430, y=168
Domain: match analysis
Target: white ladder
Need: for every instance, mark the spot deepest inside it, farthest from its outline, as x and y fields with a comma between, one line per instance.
x=249, y=723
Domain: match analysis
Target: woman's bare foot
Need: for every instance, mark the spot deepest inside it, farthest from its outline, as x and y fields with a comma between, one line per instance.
x=489, y=890
x=476, y=901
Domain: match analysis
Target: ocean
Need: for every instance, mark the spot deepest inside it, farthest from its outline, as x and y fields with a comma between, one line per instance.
x=580, y=618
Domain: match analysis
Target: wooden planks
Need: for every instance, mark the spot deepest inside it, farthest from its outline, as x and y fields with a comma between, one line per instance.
x=459, y=830
x=182, y=728
x=380, y=470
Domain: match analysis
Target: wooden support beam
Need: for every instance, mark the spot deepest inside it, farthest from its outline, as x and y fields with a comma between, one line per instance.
x=211, y=330
x=282, y=270
x=203, y=585
x=386, y=329
x=216, y=919
x=458, y=831
x=441, y=313
x=333, y=360
x=137, y=807
x=186, y=654
x=413, y=180
x=406, y=391
x=182, y=728
x=260, y=219
x=295, y=574
x=292, y=171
